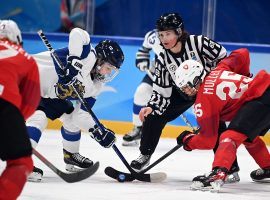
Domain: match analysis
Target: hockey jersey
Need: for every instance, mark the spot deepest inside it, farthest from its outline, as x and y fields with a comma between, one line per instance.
x=19, y=78
x=222, y=94
x=80, y=46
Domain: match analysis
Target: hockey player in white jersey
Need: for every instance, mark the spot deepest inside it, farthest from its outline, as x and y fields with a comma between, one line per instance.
x=144, y=90
x=87, y=69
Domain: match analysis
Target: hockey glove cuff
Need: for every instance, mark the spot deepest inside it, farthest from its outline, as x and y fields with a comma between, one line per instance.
x=184, y=138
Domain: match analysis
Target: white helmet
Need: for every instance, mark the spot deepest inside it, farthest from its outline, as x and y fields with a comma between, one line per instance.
x=10, y=30
x=190, y=72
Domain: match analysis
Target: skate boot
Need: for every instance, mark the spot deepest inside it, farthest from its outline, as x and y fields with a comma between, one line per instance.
x=132, y=138
x=76, y=159
x=36, y=175
x=261, y=175
x=212, y=182
x=141, y=162
x=233, y=176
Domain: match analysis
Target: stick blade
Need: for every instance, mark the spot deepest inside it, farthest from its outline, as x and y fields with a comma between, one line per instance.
x=127, y=177
x=79, y=176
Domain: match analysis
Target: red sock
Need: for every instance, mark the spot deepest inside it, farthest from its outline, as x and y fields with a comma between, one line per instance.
x=225, y=155
x=258, y=150
x=14, y=177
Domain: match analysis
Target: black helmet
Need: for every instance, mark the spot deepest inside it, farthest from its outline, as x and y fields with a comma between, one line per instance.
x=109, y=51
x=170, y=21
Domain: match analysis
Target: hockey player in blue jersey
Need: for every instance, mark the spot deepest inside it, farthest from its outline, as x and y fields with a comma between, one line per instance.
x=87, y=69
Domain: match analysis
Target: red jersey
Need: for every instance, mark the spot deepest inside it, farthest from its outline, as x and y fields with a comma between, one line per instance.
x=19, y=78
x=222, y=94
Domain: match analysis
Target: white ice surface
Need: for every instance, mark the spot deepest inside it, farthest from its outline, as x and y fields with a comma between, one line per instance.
x=180, y=167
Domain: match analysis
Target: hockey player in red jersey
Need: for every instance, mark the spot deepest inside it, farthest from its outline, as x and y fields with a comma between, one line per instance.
x=227, y=96
x=19, y=97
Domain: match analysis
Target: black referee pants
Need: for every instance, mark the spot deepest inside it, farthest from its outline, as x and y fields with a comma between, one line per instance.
x=154, y=124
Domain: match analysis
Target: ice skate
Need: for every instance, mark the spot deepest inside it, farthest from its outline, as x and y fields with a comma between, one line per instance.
x=233, y=175
x=133, y=137
x=36, y=175
x=261, y=175
x=75, y=161
x=213, y=182
x=141, y=162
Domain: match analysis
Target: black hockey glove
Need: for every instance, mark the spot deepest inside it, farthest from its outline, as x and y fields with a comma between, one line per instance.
x=69, y=90
x=106, y=139
x=183, y=139
x=143, y=59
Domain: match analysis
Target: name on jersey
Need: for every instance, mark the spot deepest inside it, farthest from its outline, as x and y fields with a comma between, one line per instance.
x=210, y=81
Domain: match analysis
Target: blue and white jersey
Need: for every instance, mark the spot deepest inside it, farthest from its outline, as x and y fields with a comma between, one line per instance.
x=80, y=46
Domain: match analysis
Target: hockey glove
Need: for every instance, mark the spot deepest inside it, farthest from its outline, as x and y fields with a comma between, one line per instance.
x=72, y=68
x=183, y=139
x=106, y=139
x=143, y=59
x=69, y=90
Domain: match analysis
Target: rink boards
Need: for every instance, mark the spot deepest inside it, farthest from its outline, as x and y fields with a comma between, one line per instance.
x=114, y=106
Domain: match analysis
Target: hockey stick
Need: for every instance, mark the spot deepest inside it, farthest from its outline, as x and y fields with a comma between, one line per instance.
x=68, y=177
x=155, y=177
x=125, y=177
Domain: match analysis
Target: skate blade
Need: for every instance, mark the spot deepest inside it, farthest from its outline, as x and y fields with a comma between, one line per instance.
x=72, y=168
x=34, y=177
x=131, y=143
x=139, y=170
x=266, y=180
x=198, y=186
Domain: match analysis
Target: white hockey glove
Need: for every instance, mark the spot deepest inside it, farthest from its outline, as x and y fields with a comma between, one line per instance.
x=106, y=139
x=143, y=59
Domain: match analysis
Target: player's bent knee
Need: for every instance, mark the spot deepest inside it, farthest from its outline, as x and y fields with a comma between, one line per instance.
x=38, y=120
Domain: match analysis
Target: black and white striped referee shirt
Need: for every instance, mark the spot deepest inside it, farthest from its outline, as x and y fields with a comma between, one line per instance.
x=196, y=47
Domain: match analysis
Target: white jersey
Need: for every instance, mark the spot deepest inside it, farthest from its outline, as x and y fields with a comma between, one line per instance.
x=79, y=45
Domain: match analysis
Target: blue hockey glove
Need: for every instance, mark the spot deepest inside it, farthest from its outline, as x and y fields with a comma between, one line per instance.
x=183, y=139
x=106, y=139
x=72, y=68
x=69, y=90
x=142, y=59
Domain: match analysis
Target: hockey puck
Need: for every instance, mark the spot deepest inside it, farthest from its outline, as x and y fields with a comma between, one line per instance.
x=121, y=177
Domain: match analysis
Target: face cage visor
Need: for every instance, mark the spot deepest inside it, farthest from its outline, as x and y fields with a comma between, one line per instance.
x=106, y=72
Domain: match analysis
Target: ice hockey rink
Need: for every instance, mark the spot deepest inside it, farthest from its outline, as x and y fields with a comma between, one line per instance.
x=180, y=168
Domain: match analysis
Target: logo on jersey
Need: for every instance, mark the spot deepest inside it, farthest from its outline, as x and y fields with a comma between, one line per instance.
x=211, y=44
x=192, y=55
x=172, y=67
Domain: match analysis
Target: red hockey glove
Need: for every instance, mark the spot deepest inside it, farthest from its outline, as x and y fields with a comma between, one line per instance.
x=183, y=139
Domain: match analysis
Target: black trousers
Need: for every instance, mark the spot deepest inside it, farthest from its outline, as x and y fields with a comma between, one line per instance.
x=14, y=142
x=154, y=124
